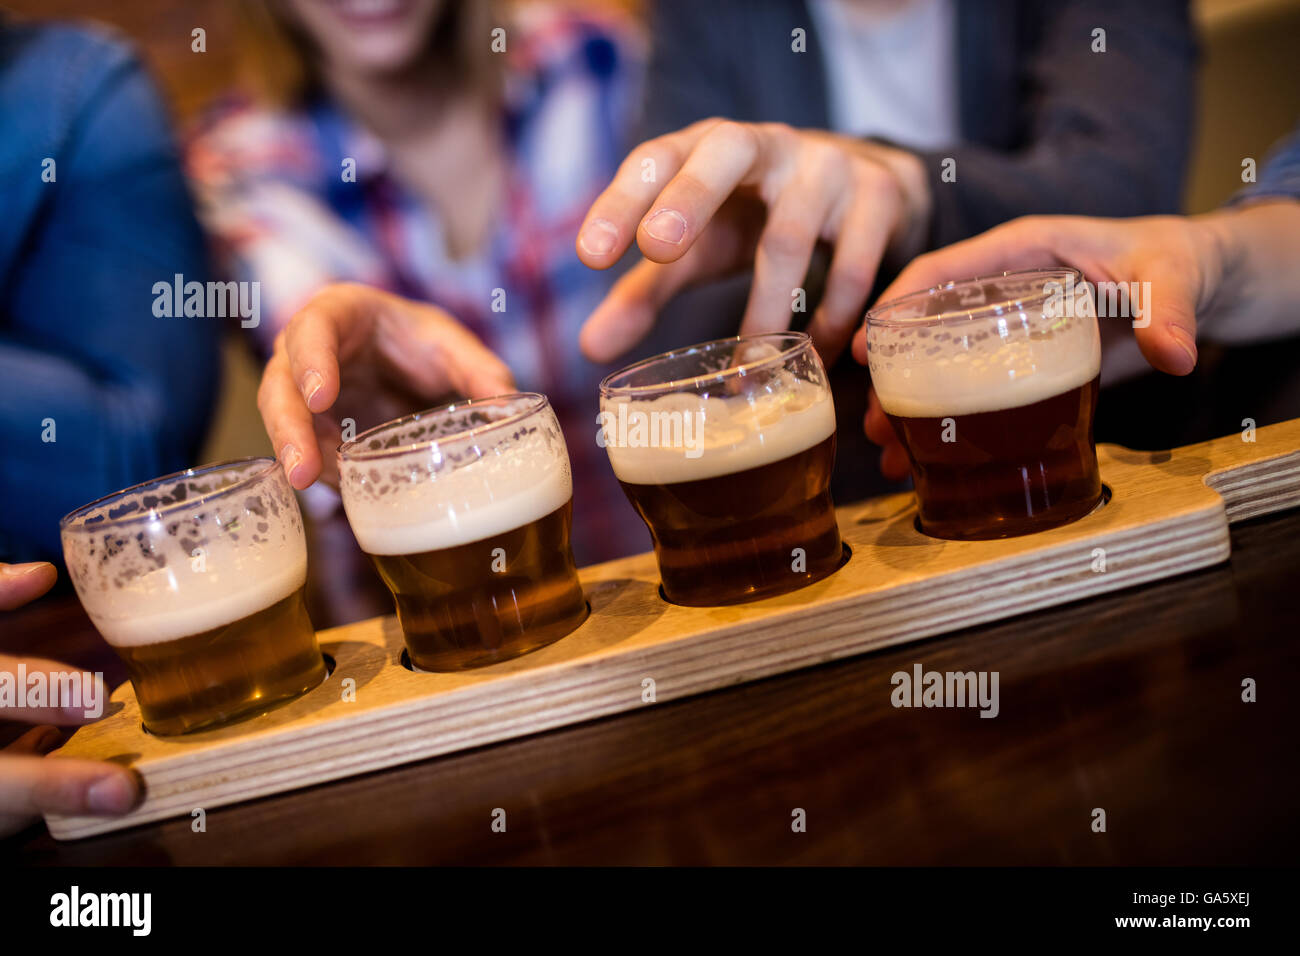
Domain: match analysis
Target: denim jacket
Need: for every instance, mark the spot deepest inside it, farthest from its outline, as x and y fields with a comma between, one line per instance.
x=96, y=393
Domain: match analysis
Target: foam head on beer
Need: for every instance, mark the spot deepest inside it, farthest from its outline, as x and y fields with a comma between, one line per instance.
x=185, y=554
x=438, y=480
x=196, y=579
x=983, y=345
x=675, y=438
x=725, y=449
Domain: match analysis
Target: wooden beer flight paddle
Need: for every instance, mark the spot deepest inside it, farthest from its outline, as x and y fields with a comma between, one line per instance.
x=1168, y=514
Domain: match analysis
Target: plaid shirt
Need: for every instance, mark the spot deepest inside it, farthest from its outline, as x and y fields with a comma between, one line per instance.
x=271, y=192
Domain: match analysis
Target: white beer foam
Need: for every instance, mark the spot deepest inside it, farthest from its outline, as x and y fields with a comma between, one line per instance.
x=739, y=432
x=186, y=553
x=490, y=496
x=151, y=611
x=1008, y=372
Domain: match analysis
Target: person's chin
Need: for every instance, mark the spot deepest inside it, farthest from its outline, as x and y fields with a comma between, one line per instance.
x=381, y=36
x=382, y=55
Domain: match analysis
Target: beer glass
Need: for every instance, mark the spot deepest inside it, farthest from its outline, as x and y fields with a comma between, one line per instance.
x=991, y=385
x=196, y=580
x=466, y=511
x=725, y=450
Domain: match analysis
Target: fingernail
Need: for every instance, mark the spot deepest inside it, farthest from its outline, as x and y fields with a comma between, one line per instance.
x=290, y=458
x=311, y=384
x=598, y=237
x=48, y=740
x=667, y=225
x=1185, y=341
x=18, y=570
x=111, y=794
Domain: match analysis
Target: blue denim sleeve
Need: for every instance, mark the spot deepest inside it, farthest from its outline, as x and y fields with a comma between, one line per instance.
x=1280, y=176
x=96, y=392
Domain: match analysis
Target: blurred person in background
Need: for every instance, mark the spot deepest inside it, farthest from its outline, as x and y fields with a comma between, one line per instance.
x=435, y=157
x=1229, y=276
x=97, y=392
x=882, y=129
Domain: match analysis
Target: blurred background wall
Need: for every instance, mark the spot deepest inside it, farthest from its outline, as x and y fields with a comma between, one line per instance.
x=1249, y=90
x=1249, y=96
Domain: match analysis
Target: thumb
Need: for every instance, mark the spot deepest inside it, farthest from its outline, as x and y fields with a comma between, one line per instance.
x=894, y=463
x=1166, y=330
x=628, y=311
x=20, y=583
x=31, y=786
x=631, y=307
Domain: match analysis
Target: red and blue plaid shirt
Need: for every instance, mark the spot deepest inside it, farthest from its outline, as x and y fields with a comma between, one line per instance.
x=271, y=193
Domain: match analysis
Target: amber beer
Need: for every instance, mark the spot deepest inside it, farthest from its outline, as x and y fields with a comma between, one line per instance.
x=744, y=511
x=196, y=580
x=456, y=612
x=731, y=537
x=466, y=512
x=994, y=402
x=226, y=672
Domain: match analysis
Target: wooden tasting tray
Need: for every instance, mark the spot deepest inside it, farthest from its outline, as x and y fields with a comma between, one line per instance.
x=1168, y=514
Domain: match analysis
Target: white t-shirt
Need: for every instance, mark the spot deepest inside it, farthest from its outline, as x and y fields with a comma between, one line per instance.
x=890, y=69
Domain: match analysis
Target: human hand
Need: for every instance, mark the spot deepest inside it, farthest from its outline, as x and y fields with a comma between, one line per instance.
x=1177, y=256
x=355, y=348
x=760, y=194
x=32, y=784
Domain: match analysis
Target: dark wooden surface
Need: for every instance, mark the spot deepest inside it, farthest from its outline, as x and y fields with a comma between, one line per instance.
x=1131, y=703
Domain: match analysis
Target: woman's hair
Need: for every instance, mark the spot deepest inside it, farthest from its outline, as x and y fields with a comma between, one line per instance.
x=279, y=63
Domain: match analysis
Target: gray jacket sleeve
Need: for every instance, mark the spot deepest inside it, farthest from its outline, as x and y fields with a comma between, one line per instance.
x=1049, y=125
x=1100, y=133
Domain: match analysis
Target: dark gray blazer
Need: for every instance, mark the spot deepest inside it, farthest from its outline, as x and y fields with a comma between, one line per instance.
x=1048, y=127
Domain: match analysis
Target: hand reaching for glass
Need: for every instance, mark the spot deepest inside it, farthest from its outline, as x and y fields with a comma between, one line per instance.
x=355, y=349
x=718, y=197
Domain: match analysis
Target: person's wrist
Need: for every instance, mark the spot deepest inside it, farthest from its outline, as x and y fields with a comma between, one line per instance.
x=1216, y=249
x=908, y=170
x=908, y=238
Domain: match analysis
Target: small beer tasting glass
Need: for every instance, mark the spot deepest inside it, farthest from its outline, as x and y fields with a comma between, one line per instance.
x=196, y=580
x=725, y=449
x=466, y=512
